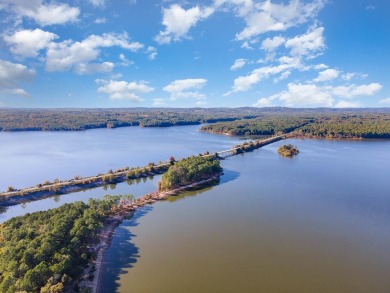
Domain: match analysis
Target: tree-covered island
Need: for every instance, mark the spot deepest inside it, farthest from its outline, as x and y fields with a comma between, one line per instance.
x=288, y=150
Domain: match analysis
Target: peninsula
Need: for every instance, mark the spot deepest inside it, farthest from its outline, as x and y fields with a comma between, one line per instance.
x=62, y=249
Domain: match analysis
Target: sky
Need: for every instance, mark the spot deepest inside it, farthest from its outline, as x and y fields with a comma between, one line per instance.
x=209, y=53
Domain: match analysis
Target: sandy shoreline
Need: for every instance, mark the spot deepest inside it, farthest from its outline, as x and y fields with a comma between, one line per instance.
x=92, y=274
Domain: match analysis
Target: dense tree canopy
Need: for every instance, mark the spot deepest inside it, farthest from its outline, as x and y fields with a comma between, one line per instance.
x=288, y=150
x=330, y=125
x=189, y=170
x=44, y=251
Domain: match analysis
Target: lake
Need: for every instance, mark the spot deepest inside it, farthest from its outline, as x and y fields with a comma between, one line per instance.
x=318, y=222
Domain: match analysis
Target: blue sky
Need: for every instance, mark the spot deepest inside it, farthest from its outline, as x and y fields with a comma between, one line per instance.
x=215, y=53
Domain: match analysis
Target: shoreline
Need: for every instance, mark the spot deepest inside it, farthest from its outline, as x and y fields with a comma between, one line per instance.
x=104, y=237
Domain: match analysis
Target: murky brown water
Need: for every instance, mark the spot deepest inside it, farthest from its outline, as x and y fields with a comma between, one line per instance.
x=315, y=223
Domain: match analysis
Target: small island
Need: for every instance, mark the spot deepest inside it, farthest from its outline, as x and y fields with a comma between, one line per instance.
x=288, y=150
x=190, y=170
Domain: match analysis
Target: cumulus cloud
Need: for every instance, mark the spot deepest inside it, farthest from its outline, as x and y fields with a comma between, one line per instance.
x=125, y=62
x=158, y=102
x=28, y=43
x=239, y=63
x=43, y=14
x=351, y=91
x=178, y=21
x=266, y=16
x=245, y=83
x=351, y=75
x=271, y=44
x=320, y=66
x=348, y=104
x=186, y=88
x=101, y=20
x=91, y=68
x=151, y=52
x=312, y=95
x=308, y=44
x=263, y=102
x=123, y=90
x=69, y=54
x=11, y=74
x=327, y=74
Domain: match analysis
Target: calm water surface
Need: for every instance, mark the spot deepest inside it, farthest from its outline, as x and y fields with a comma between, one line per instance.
x=28, y=158
x=315, y=223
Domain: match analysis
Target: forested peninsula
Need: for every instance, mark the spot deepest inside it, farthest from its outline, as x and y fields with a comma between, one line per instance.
x=56, y=250
x=330, y=125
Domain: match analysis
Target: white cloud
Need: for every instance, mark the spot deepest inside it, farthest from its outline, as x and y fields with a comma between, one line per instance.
x=178, y=22
x=320, y=66
x=11, y=74
x=43, y=14
x=312, y=95
x=266, y=16
x=125, y=61
x=283, y=76
x=306, y=95
x=152, y=52
x=327, y=74
x=101, y=20
x=385, y=101
x=97, y=3
x=245, y=45
x=201, y=103
x=239, y=63
x=353, y=90
x=348, y=104
x=159, y=102
x=68, y=54
x=270, y=45
x=123, y=90
x=28, y=43
x=307, y=44
x=245, y=83
x=351, y=75
x=91, y=68
x=263, y=102
x=186, y=88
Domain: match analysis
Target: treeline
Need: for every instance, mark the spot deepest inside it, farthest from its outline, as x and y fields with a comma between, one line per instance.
x=268, y=125
x=348, y=126
x=83, y=119
x=189, y=170
x=330, y=125
x=47, y=251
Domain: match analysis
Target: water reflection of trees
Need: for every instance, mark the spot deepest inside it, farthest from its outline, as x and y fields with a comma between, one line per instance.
x=122, y=254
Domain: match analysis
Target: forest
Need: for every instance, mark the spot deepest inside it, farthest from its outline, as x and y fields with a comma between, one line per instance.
x=83, y=119
x=189, y=170
x=47, y=251
x=329, y=125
